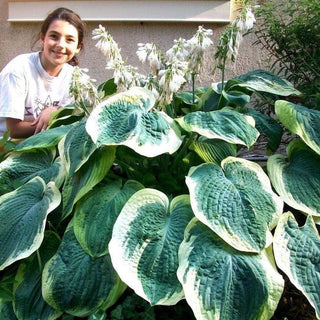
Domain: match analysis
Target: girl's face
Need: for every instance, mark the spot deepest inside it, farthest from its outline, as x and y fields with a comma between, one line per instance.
x=60, y=44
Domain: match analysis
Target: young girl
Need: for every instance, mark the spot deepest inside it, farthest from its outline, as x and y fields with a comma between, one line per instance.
x=34, y=85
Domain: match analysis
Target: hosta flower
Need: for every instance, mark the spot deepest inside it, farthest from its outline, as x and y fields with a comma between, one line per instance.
x=149, y=52
x=197, y=46
x=229, y=42
x=82, y=87
x=125, y=76
x=105, y=43
x=171, y=80
x=178, y=50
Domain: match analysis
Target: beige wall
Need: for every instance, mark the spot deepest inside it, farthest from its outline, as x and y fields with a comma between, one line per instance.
x=17, y=37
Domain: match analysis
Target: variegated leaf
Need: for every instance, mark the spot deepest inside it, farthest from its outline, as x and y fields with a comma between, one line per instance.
x=222, y=283
x=28, y=301
x=127, y=119
x=89, y=174
x=96, y=213
x=297, y=254
x=297, y=178
x=145, y=242
x=301, y=121
x=23, y=214
x=225, y=124
x=76, y=283
x=76, y=147
x=236, y=202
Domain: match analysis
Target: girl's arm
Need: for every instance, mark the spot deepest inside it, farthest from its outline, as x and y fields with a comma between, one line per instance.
x=20, y=129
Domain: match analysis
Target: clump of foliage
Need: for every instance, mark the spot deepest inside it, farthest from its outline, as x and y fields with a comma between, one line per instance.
x=290, y=32
x=136, y=199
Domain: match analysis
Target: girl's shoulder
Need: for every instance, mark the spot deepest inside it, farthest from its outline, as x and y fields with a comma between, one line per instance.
x=21, y=63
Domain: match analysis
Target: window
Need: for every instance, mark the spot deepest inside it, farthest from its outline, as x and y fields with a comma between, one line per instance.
x=126, y=10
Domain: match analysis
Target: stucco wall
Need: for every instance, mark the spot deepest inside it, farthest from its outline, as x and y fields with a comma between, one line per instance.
x=18, y=37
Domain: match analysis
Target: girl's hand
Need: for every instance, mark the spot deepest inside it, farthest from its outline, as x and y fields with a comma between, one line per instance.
x=42, y=121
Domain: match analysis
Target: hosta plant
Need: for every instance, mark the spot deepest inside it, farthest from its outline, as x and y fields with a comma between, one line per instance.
x=139, y=187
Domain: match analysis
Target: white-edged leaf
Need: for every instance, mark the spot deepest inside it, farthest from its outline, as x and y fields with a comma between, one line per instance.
x=127, y=119
x=96, y=213
x=301, y=121
x=90, y=174
x=23, y=214
x=235, y=201
x=145, y=242
x=225, y=124
x=297, y=178
x=27, y=300
x=297, y=254
x=76, y=283
x=222, y=283
x=76, y=147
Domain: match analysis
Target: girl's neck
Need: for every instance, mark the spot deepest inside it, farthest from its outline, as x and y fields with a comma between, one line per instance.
x=49, y=68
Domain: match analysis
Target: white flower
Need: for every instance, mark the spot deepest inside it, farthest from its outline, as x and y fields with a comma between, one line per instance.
x=82, y=87
x=105, y=43
x=197, y=46
x=149, y=52
x=249, y=20
x=178, y=50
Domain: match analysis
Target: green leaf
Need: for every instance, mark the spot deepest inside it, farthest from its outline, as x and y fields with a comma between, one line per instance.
x=6, y=311
x=18, y=168
x=236, y=97
x=89, y=175
x=23, y=214
x=269, y=127
x=301, y=121
x=265, y=81
x=76, y=283
x=127, y=119
x=297, y=254
x=108, y=87
x=236, y=202
x=45, y=139
x=76, y=147
x=96, y=213
x=227, y=125
x=222, y=283
x=297, y=178
x=213, y=150
x=145, y=242
x=28, y=301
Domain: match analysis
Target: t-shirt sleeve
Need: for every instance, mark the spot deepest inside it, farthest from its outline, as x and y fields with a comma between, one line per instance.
x=12, y=96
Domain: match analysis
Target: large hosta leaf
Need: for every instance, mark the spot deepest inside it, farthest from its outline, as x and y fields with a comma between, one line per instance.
x=19, y=168
x=227, y=125
x=76, y=283
x=127, y=119
x=265, y=81
x=297, y=254
x=213, y=150
x=76, y=147
x=222, y=283
x=23, y=214
x=89, y=174
x=44, y=139
x=145, y=242
x=301, y=121
x=28, y=301
x=297, y=178
x=97, y=212
x=235, y=201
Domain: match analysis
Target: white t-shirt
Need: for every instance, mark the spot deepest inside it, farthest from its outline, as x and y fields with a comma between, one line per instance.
x=26, y=88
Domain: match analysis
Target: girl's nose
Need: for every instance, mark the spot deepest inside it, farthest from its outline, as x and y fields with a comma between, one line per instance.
x=62, y=42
